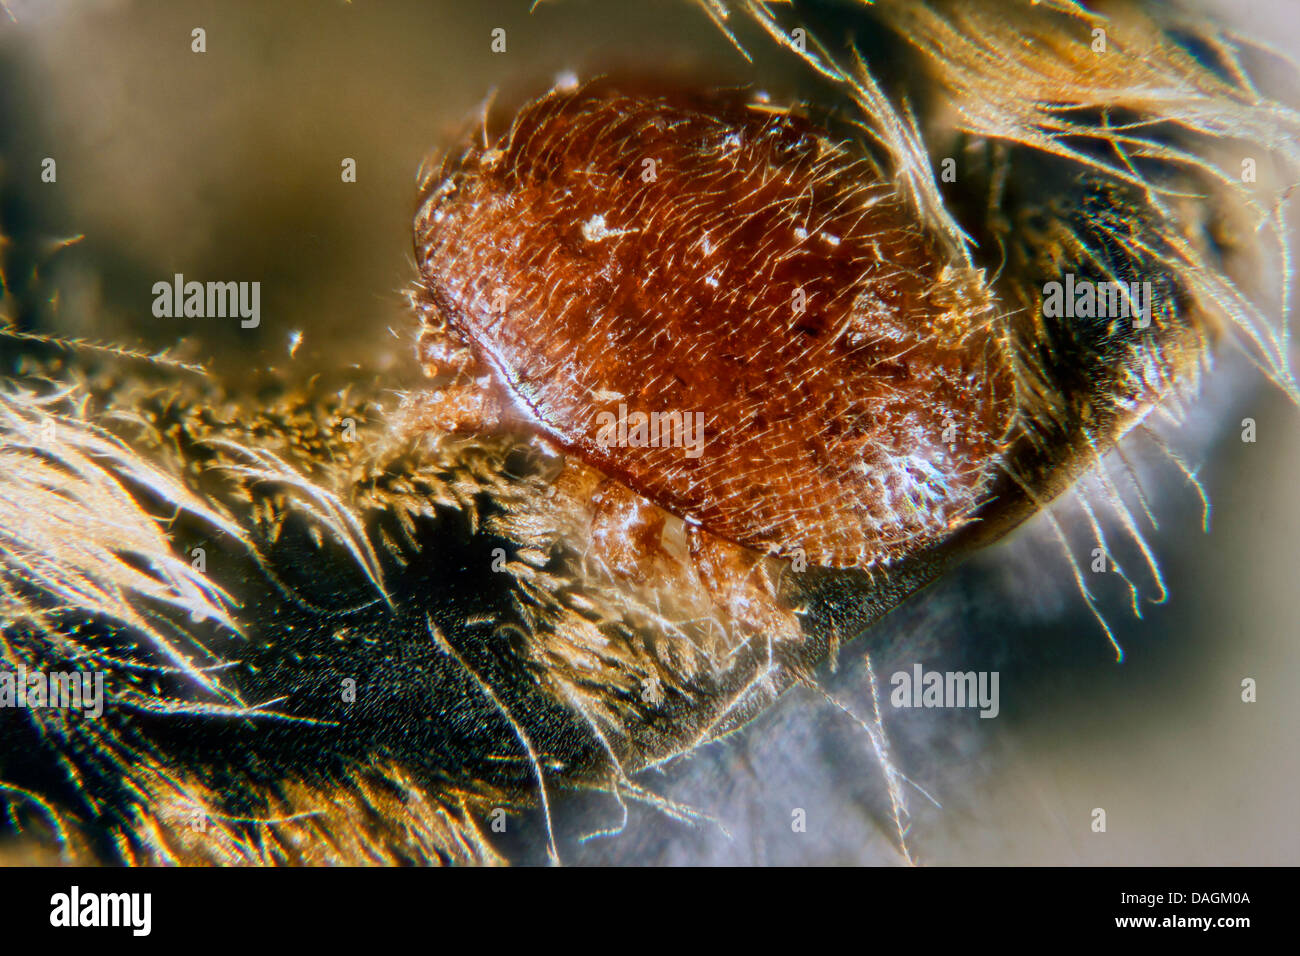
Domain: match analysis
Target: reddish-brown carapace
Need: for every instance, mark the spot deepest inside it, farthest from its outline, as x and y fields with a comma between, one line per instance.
x=718, y=305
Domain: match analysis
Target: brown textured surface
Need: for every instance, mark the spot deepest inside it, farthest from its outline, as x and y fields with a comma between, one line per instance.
x=584, y=283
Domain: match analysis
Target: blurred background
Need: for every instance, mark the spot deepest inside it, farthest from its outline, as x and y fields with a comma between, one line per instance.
x=225, y=165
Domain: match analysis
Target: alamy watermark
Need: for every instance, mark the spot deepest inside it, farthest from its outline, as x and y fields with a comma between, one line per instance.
x=75, y=908
x=70, y=690
x=1085, y=299
x=626, y=429
x=921, y=688
x=208, y=300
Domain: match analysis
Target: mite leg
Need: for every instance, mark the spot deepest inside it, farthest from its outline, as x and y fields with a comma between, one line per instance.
x=741, y=582
x=464, y=398
x=626, y=533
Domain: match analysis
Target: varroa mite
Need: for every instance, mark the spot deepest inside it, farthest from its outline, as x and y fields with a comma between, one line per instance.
x=663, y=259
